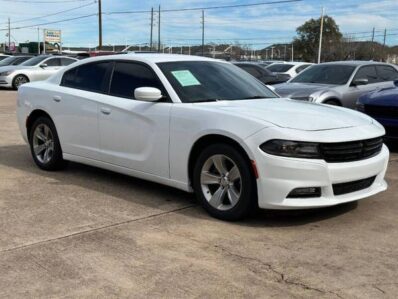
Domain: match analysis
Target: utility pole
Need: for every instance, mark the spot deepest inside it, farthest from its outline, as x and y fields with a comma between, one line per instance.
x=38, y=40
x=159, y=30
x=384, y=44
x=99, y=25
x=272, y=53
x=203, y=32
x=320, y=36
x=373, y=39
x=9, y=34
x=292, y=52
x=151, y=39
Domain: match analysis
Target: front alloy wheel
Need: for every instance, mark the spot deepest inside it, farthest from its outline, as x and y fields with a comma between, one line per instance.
x=221, y=182
x=224, y=183
x=19, y=80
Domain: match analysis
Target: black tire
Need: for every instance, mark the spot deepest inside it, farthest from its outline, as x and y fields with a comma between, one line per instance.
x=55, y=162
x=17, y=79
x=247, y=201
x=332, y=102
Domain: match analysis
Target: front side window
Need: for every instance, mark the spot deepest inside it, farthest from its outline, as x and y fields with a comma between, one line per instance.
x=251, y=70
x=280, y=67
x=127, y=76
x=302, y=68
x=205, y=81
x=367, y=72
x=387, y=73
x=91, y=77
x=34, y=61
x=334, y=74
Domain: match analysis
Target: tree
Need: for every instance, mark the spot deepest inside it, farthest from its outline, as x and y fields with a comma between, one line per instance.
x=307, y=42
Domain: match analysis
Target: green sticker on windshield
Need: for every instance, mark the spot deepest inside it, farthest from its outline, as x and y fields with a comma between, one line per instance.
x=185, y=78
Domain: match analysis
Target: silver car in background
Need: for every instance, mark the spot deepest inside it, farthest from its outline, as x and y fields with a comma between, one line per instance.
x=338, y=83
x=35, y=69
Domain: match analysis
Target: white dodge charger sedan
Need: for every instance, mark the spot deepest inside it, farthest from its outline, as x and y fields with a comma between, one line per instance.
x=203, y=126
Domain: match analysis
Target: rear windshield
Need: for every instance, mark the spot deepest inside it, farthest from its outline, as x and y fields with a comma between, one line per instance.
x=280, y=67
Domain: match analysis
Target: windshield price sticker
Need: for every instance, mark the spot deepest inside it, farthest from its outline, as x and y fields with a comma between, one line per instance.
x=185, y=78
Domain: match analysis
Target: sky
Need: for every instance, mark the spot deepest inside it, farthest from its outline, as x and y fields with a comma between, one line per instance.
x=255, y=26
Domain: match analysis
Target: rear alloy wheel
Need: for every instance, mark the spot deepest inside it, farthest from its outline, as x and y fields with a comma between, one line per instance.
x=19, y=80
x=223, y=182
x=44, y=144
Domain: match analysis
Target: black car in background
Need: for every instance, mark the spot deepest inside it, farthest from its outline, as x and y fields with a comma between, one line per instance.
x=14, y=60
x=262, y=73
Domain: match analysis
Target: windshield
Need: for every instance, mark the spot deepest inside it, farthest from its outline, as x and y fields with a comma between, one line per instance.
x=34, y=61
x=335, y=74
x=280, y=68
x=203, y=81
x=8, y=61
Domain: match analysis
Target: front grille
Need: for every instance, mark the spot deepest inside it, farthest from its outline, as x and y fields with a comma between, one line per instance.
x=351, y=151
x=381, y=111
x=344, y=188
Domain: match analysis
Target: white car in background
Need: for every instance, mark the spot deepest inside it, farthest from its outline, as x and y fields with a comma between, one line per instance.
x=203, y=126
x=289, y=68
x=35, y=69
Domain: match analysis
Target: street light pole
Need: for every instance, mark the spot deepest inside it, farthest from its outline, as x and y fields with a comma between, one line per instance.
x=320, y=36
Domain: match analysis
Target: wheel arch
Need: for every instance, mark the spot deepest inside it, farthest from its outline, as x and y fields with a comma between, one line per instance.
x=333, y=99
x=209, y=139
x=35, y=114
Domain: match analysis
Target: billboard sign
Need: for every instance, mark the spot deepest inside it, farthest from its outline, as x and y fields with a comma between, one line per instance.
x=52, y=36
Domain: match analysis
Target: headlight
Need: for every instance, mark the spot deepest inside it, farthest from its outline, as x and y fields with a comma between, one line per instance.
x=308, y=99
x=5, y=73
x=295, y=149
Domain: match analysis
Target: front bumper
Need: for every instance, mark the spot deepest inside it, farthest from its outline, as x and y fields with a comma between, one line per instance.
x=6, y=81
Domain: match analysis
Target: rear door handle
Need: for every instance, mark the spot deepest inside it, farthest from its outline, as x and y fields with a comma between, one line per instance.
x=57, y=99
x=105, y=111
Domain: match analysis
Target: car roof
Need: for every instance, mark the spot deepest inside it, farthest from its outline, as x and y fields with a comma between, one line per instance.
x=151, y=57
x=353, y=62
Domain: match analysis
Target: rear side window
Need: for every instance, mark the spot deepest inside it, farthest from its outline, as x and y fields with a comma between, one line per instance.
x=127, y=76
x=251, y=70
x=279, y=67
x=302, y=68
x=91, y=77
x=67, y=61
x=53, y=62
x=367, y=72
x=387, y=73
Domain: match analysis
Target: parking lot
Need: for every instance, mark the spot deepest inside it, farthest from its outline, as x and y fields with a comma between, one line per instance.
x=89, y=232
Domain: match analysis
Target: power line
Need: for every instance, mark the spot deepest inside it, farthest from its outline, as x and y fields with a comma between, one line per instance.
x=206, y=8
x=44, y=1
x=53, y=14
x=53, y=22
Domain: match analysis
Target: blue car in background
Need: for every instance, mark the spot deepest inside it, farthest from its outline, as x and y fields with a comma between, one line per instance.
x=382, y=105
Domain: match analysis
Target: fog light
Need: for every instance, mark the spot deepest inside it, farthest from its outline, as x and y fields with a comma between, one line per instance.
x=305, y=192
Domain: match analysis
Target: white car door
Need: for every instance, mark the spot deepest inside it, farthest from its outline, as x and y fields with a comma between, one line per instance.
x=134, y=134
x=48, y=68
x=76, y=108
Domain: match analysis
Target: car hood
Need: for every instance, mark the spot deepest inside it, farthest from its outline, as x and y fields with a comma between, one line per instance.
x=293, y=114
x=13, y=67
x=384, y=97
x=298, y=90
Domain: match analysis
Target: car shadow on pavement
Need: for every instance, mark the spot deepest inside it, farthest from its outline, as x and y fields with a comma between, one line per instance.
x=124, y=187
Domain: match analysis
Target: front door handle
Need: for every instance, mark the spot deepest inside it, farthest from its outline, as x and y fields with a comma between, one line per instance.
x=57, y=99
x=106, y=111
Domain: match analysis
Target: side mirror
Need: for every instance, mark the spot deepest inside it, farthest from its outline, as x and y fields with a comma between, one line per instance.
x=396, y=83
x=358, y=82
x=43, y=65
x=147, y=94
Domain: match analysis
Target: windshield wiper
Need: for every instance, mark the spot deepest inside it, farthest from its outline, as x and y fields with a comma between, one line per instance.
x=207, y=100
x=256, y=97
